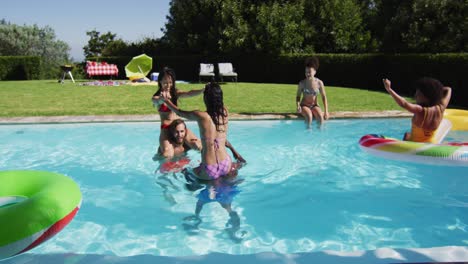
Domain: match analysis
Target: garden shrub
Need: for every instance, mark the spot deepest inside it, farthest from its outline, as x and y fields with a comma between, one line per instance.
x=20, y=67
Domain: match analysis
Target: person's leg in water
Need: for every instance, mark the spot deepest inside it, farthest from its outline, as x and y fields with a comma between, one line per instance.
x=318, y=114
x=193, y=183
x=308, y=117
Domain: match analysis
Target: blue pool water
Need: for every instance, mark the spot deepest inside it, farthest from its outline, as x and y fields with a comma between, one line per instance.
x=301, y=191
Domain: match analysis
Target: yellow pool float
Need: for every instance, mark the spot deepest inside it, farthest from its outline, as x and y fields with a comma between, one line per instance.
x=458, y=118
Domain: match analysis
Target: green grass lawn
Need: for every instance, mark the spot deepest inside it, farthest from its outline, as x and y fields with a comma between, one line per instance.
x=49, y=98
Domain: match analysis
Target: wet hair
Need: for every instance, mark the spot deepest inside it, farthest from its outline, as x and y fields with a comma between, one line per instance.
x=213, y=97
x=172, y=128
x=431, y=88
x=312, y=62
x=163, y=73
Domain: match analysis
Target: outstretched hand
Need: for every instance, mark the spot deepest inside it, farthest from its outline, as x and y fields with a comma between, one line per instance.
x=387, y=84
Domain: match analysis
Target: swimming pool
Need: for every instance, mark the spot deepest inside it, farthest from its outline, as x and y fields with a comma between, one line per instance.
x=302, y=191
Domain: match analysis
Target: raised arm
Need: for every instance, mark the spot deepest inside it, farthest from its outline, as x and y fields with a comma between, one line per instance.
x=191, y=115
x=413, y=108
x=447, y=96
x=190, y=93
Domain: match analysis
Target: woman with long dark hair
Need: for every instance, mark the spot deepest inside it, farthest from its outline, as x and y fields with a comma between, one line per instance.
x=213, y=125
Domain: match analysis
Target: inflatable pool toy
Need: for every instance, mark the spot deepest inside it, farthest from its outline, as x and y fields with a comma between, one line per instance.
x=459, y=118
x=174, y=165
x=451, y=154
x=34, y=206
x=444, y=128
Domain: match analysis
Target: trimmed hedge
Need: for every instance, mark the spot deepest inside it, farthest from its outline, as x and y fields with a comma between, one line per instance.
x=20, y=67
x=363, y=71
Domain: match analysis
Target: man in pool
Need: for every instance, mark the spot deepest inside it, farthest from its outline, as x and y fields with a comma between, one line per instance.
x=178, y=132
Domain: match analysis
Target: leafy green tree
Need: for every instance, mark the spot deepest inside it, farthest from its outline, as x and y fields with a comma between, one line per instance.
x=98, y=42
x=437, y=26
x=291, y=26
x=226, y=26
x=115, y=48
x=338, y=26
x=273, y=27
x=369, y=13
x=423, y=25
x=269, y=26
x=194, y=26
x=33, y=40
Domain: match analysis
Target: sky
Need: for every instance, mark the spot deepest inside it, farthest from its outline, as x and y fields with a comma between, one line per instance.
x=129, y=20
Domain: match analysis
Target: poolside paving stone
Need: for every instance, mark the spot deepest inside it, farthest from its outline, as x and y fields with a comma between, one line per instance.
x=155, y=117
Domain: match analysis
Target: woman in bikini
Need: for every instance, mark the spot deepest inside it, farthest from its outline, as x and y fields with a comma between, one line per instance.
x=213, y=124
x=167, y=89
x=310, y=88
x=432, y=98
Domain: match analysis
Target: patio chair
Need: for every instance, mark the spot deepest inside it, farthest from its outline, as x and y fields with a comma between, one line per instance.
x=206, y=70
x=226, y=70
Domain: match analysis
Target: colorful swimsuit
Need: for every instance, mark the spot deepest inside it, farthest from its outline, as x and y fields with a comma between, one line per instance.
x=311, y=91
x=221, y=168
x=419, y=134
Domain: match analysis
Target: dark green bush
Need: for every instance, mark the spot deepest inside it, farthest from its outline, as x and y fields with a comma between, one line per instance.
x=20, y=67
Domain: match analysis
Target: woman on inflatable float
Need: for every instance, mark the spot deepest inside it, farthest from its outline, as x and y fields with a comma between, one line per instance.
x=431, y=100
x=427, y=129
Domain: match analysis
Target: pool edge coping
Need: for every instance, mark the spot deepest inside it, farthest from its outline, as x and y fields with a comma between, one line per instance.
x=155, y=117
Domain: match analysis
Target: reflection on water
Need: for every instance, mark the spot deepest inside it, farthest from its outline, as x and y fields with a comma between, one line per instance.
x=302, y=191
x=222, y=191
x=173, y=176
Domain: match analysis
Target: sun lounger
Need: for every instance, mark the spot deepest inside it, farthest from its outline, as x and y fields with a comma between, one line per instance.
x=206, y=70
x=226, y=70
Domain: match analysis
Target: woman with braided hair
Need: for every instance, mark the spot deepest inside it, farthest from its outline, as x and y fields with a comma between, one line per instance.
x=213, y=125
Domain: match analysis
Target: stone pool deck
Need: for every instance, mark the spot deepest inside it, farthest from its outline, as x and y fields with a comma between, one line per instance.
x=155, y=117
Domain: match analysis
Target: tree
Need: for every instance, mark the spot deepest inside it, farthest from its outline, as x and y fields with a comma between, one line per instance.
x=437, y=26
x=32, y=40
x=225, y=26
x=271, y=27
x=423, y=25
x=97, y=43
x=194, y=27
x=338, y=25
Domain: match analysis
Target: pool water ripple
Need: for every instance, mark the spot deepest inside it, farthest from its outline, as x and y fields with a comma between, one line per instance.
x=301, y=191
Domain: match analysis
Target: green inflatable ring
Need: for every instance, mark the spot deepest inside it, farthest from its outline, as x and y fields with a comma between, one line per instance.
x=34, y=206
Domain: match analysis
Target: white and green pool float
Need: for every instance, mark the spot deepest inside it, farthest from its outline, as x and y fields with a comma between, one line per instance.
x=34, y=206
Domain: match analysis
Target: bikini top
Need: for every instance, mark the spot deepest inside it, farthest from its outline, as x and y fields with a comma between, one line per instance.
x=310, y=90
x=164, y=108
